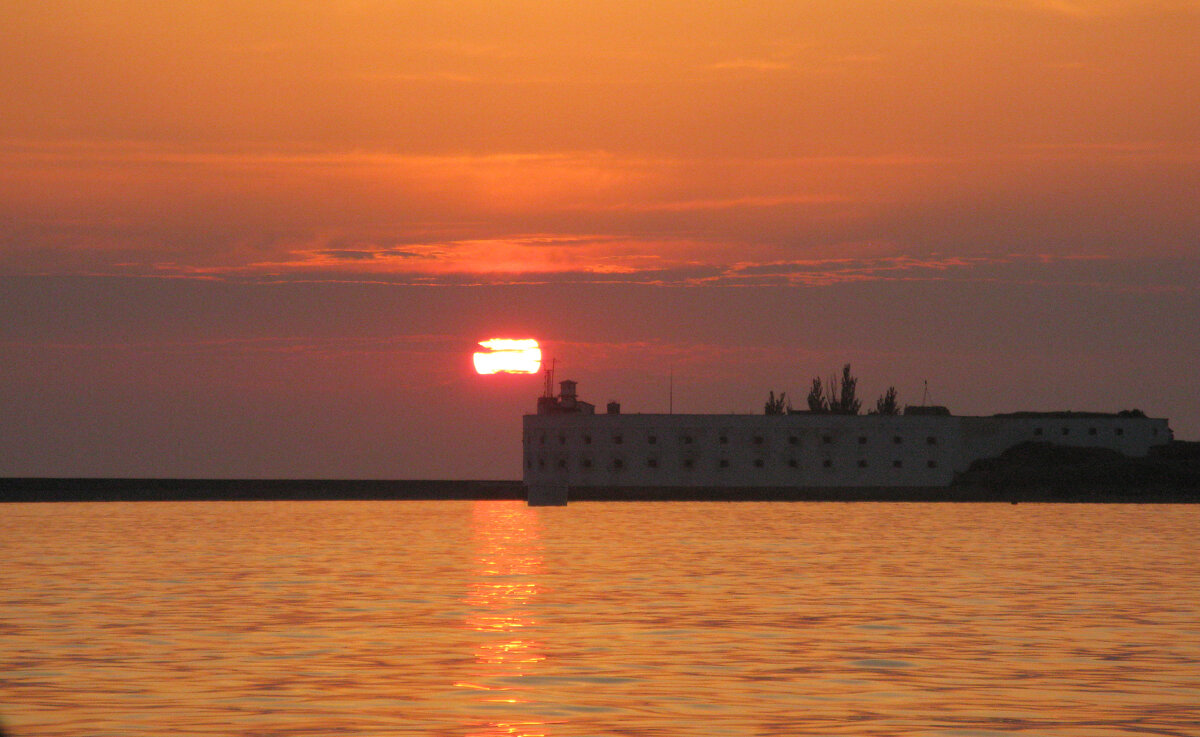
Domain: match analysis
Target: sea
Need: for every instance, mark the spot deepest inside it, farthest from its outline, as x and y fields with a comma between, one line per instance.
x=491, y=618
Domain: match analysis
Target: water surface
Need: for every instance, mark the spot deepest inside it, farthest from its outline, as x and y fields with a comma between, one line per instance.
x=493, y=618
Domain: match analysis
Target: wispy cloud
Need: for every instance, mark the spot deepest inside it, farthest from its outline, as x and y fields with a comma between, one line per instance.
x=752, y=65
x=138, y=208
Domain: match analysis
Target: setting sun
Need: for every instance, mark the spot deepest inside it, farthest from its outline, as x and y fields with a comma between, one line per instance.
x=508, y=356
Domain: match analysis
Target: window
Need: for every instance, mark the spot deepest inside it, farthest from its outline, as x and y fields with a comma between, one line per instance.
x=652, y=439
x=562, y=462
x=793, y=463
x=723, y=464
x=758, y=439
x=688, y=463
x=1120, y=431
x=618, y=463
x=793, y=440
x=1091, y=431
x=897, y=464
x=687, y=439
x=528, y=463
x=758, y=463
x=931, y=440
x=541, y=463
x=1066, y=431
x=1155, y=432
x=1037, y=431
x=724, y=439
x=652, y=462
x=827, y=439
x=862, y=439
x=562, y=439
x=617, y=439
x=897, y=439
x=827, y=463
x=586, y=463
x=931, y=464
x=587, y=439
x=862, y=464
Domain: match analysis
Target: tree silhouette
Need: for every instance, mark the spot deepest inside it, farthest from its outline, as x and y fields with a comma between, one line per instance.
x=816, y=397
x=888, y=404
x=778, y=406
x=840, y=395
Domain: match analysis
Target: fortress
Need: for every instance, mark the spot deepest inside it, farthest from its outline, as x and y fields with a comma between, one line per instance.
x=571, y=450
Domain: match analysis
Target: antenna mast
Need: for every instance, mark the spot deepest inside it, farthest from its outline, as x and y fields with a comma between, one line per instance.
x=671, y=393
x=548, y=391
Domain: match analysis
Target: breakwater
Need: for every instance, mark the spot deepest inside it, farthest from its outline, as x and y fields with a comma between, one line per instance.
x=145, y=490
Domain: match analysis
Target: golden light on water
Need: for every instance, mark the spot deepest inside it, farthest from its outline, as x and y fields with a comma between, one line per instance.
x=509, y=356
x=508, y=567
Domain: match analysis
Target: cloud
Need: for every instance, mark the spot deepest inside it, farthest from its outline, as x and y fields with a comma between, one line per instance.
x=144, y=209
x=348, y=254
x=752, y=65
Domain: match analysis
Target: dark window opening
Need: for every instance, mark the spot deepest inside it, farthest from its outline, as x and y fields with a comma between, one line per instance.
x=1120, y=431
x=586, y=463
x=758, y=439
x=827, y=463
x=862, y=464
x=897, y=439
x=652, y=439
x=652, y=462
x=1091, y=431
x=528, y=463
x=587, y=439
x=931, y=440
x=723, y=464
x=758, y=463
x=724, y=439
x=562, y=463
x=687, y=439
x=1037, y=431
x=541, y=463
x=862, y=439
x=793, y=463
x=827, y=439
x=688, y=463
x=932, y=464
x=617, y=439
x=618, y=463
x=793, y=440
x=897, y=464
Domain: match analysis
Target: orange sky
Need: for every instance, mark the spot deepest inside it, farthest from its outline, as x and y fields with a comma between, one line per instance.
x=169, y=137
x=1038, y=145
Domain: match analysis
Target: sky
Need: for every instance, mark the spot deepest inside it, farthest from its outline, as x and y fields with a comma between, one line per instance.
x=262, y=239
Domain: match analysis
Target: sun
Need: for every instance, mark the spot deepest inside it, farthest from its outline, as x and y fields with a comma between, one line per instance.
x=509, y=356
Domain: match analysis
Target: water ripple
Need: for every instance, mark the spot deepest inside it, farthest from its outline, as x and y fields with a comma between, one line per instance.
x=492, y=618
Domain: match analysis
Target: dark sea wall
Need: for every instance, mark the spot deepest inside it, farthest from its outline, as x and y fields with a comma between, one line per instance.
x=1030, y=472
x=888, y=494
x=144, y=490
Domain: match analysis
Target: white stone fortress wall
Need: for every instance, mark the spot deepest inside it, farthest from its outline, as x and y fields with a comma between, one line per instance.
x=797, y=450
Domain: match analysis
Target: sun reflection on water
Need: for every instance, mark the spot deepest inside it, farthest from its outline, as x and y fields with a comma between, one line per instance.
x=507, y=563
